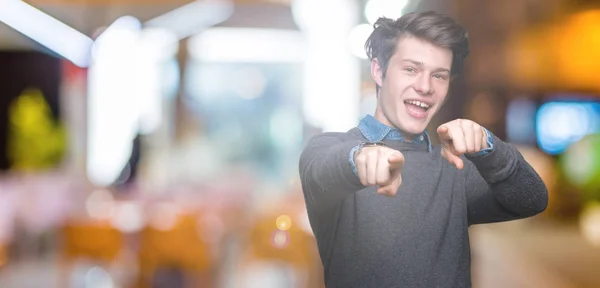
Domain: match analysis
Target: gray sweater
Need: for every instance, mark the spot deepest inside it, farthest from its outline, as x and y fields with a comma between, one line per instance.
x=419, y=238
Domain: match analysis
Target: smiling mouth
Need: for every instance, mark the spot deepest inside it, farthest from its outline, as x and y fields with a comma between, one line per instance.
x=418, y=104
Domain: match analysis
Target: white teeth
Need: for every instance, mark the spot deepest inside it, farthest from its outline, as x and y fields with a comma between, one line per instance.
x=418, y=103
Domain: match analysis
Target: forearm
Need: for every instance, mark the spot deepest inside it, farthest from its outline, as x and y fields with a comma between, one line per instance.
x=326, y=173
x=514, y=183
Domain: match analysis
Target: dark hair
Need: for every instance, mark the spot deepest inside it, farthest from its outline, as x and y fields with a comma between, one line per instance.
x=439, y=29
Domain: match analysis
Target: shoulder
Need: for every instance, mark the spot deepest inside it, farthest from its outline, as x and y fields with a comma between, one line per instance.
x=319, y=145
x=327, y=139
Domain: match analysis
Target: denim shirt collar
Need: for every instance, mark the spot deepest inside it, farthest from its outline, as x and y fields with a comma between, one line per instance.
x=376, y=131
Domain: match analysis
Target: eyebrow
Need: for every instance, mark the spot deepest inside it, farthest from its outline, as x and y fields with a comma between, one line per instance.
x=420, y=64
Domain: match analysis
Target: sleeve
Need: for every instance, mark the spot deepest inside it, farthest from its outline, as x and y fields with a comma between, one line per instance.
x=502, y=186
x=326, y=173
x=490, y=142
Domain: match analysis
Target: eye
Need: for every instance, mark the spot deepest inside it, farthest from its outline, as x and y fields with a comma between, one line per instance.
x=410, y=69
x=440, y=76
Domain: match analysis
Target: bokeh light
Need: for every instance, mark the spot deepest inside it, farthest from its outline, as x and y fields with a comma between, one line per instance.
x=164, y=216
x=99, y=278
x=581, y=164
x=280, y=239
x=128, y=217
x=561, y=123
x=100, y=204
x=283, y=222
x=589, y=223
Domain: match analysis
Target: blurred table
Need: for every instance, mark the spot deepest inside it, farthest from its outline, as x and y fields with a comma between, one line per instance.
x=534, y=253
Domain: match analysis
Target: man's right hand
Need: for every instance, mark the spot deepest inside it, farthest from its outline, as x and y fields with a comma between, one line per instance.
x=380, y=166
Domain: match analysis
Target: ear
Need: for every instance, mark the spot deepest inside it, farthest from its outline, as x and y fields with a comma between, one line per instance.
x=376, y=72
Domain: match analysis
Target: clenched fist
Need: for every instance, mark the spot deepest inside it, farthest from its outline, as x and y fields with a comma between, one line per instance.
x=380, y=166
x=460, y=137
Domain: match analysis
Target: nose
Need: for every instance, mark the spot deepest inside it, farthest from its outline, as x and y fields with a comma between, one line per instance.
x=423, y=84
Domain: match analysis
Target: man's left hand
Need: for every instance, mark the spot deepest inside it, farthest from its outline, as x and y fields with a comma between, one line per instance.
x=460, y=137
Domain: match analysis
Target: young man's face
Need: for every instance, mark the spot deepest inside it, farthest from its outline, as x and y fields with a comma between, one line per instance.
x=415, y=85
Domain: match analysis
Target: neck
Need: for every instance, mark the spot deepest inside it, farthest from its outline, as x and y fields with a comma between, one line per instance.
x=380, y=116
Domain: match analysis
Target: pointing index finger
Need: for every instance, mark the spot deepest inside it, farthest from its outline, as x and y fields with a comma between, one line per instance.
x=444, y=133
x=396, y=160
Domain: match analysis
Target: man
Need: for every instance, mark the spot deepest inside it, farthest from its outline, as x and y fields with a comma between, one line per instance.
x=418, y=236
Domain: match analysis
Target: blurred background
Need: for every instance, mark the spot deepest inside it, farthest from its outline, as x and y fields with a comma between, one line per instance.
x=154, y=143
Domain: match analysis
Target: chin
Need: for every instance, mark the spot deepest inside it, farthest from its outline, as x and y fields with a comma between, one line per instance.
x=413, y=127
x=416, y=130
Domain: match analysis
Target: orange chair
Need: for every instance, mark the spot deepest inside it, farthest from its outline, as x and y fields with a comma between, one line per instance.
x=292, y=246
x=179, y=246
x=3, y=256
x=94, y=240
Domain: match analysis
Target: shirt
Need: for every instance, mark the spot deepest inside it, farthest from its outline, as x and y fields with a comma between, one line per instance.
x=375, y=131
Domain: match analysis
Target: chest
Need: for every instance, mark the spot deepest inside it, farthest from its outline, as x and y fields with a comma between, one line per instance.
x=428, y=203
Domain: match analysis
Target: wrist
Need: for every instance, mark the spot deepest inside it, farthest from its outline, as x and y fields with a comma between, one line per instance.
x=485, y=143
x=365, y=145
